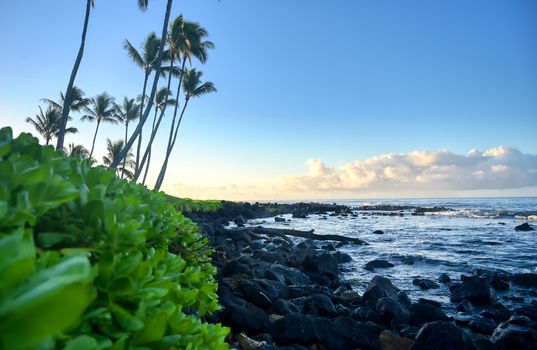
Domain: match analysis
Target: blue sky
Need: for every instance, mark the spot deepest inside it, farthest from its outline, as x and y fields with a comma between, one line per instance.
x=338, y=81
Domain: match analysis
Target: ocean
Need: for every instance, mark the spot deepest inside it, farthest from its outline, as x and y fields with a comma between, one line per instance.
x=472, y=233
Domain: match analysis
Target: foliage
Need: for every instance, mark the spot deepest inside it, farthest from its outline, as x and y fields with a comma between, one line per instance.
x=47, y=123
x=90, y=261
x=186, y=205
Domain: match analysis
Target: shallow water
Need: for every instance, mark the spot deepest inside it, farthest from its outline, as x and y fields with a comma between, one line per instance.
x=476, y=233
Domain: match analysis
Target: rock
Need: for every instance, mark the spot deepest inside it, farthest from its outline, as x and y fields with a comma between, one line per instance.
x=390, y=341
x=378, y=232
x=278, y=219
x=300, y=213
x=262, y=292
x=425, y=284
x=402, y=297
x=423, y=313
x=365, y=313
x=477, y=292
x=442, y=335
x=287, y=275
x=444, y=278
x=476, y=323
x=524, y=227
x=390, y=309
x=430, y=302
x=248, y=343
x=525, y=279
x=465, y=306
x=239, y=221
x=378, y=264
x=319, y=305
x=379, y=287
x=498, y=312
x=238, y=314
x=342, y=258
x=514, y=335
x=236, y=267
x=529, y=310
x=323, y=263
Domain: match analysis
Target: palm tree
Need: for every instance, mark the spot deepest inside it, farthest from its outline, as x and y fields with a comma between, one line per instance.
x=69, y=91
x=113, y=150
x=145, y=60
x=47, y=123
x=78, y=101
x=127, y=112
x=193, y=87
x=162, y=101
x=77, y=151
x=158, y=64
x=101, y=110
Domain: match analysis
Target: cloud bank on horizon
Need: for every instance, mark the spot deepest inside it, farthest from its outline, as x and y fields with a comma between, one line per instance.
x=403, y=174
x=497, y=168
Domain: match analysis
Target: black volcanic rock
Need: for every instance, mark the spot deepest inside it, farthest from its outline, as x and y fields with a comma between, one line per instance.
x=442, y=335
x=379, y=287
x=378, y=264
x=477, y=292
x=525, y=279
x=524, y=227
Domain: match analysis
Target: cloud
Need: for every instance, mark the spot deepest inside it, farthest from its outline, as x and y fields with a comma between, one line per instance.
x=494, y=169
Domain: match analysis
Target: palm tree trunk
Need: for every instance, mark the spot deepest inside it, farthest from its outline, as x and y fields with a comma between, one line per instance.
x=147, y=153
x=68, y=91
x=170, y=138
x=138, y=129
x=162, y=173
x=125, y=158
x=94, y=137
x=148, y=149
x=139, y=147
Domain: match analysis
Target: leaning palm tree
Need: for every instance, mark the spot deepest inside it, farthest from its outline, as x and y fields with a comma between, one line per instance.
x=146, y=61
x=193, y=87
x=77, y=151
x=162, y=101
x=47, y=123
x=69, y=91
x=127, y=113
x=113, y=152
x=158, y=64
x=101, y=109
x=78, y=101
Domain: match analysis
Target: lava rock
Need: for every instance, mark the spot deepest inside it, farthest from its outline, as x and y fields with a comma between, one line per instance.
x=524, y=227
x=378, y=232
x=287, y=275
x=239, y=314
x=378, y=264
x=390, y=341
x=477, y=292
x=239, y=221
x=525, y=279
x=430, y=302
x=262, y=292
x=423, y=313
x=425, y=284
x=444, y=278
x=513, y=334
x=390, y=309
x=323, y=263
x=465, y=306
x=379, y=287
x=278, y=219
x=442, y=335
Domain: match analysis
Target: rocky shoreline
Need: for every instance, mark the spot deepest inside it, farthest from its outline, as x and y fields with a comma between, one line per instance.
x=282, y=293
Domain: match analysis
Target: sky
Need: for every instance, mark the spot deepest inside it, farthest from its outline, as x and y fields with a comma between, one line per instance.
x=316, y=99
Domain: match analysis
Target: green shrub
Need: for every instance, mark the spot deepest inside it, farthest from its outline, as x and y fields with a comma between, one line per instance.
x=186, y=205
x=89, y=261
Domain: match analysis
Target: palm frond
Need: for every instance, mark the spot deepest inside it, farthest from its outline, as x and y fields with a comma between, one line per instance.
x=133, y=54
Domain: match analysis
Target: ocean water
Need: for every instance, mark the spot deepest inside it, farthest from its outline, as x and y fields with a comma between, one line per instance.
x=474, y=233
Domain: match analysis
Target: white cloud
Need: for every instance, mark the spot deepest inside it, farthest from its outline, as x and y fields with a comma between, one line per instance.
x=497, y=169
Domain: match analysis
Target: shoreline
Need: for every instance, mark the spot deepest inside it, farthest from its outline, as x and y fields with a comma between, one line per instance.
x=278, y=294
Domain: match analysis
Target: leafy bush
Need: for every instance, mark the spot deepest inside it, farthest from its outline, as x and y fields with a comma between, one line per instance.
x=194, y=205
x=89, y=261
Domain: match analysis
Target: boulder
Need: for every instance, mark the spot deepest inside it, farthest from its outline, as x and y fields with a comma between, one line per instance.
x=390, y=341
x=323, y=263
x=390, y=309
x=524, y=227
x=423, y=313
x=278, y=219
x=444, y=278
x=239, y=221
x=529, y=310
x=525, y=279
x=365, y=313
x=425, y=284
x=514, y=334
x=240, y=315
x=378, y=264
x=342, y=258
x=378, y=232
x=477, y=292
x=263, y=292
x=442, y=335
x=287, y=275
x=476, y=323
x=430, y=302
x=379, y=287
x=465, y=306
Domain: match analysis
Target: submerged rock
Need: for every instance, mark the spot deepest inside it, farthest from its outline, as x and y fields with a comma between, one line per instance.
x=425, y=284
x=378, y=264
x=524, y=227
x=444, y=278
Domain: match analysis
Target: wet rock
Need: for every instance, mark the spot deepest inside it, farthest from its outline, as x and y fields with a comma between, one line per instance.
x=442, y=335
x=390, y=309
x=425, y=284
x=342, y=258
x=239, y=314
x=525, y=279
x=465, y=306
x=300, y=213
x=365, y=313
x=323, y=263
x=513, y=334
x=476, y=323
x=529, y=310
x=402, y=297
x=423, y=313
x=498, y=312
x=379, y=287
x=430, y=302
x=444, y=278
x=390, y=341
x=278, y=219
x=524, y=227
x=247, y=343
x=239, y=221
x=477, y=292
x=378, y=232
x=287, y=275
x=284, y=307
x=262, y=292
x=378, y=264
